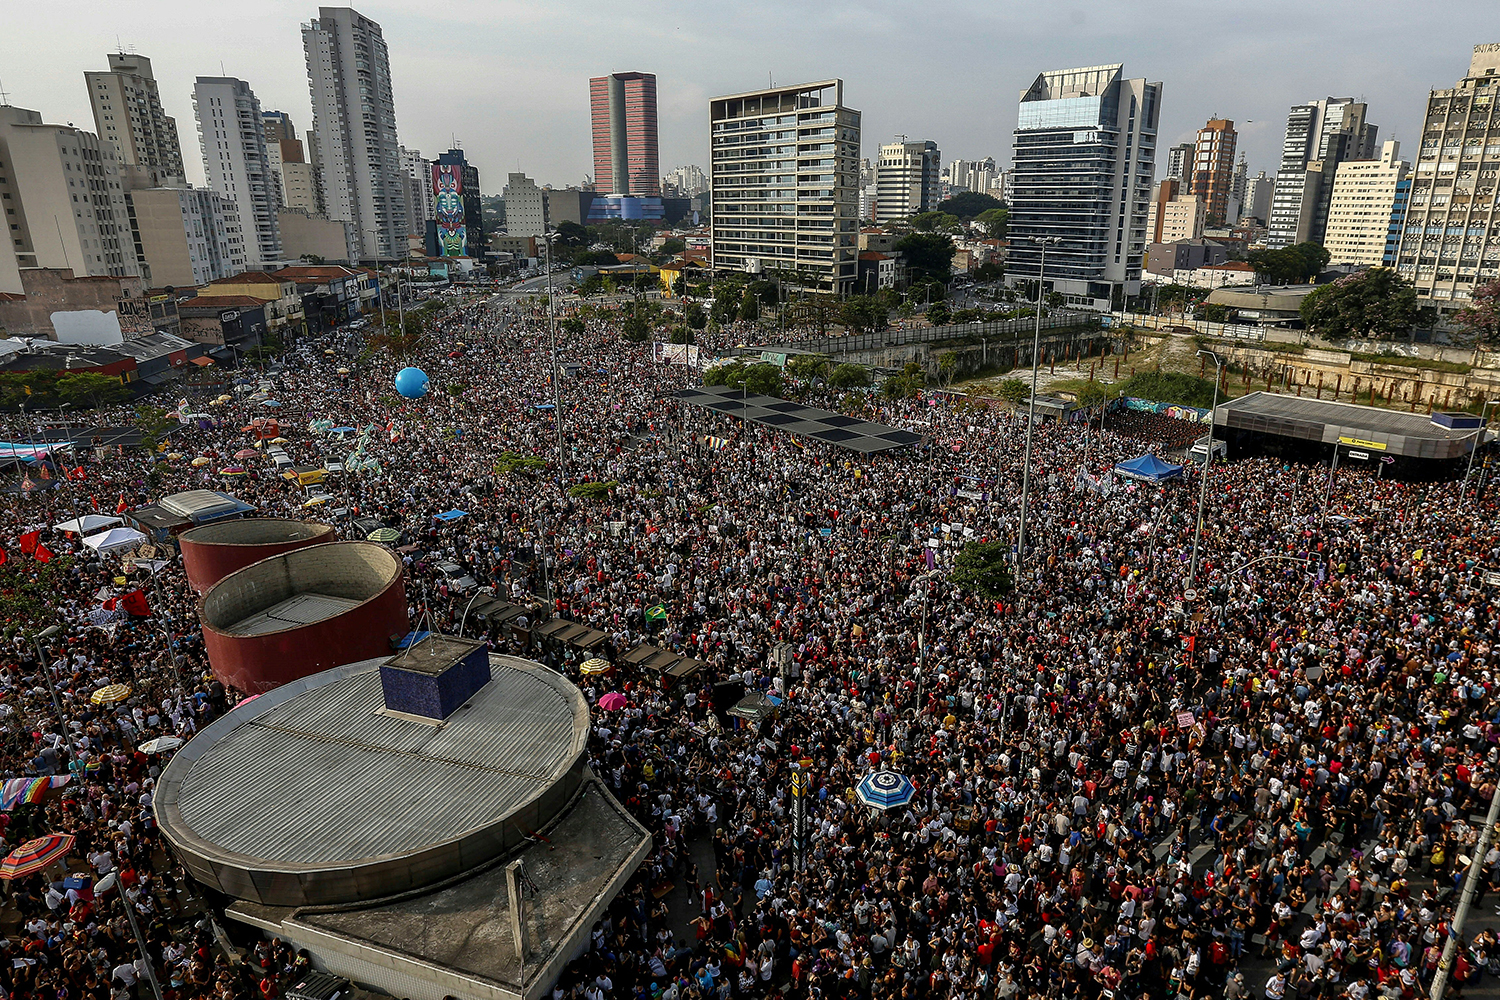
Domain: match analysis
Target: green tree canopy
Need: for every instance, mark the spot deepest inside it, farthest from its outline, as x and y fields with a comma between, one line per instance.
x=672, y=247
x=1297, y=263
x=995, y=221
x=934, y=222
x=929, y=256
x=808, y=366
x=1378, y=304
x=938, y=314
x=969, y=204
x=94, y=388
x=571, y=234
x=1170, y=387
x=984, y=568
x=848, y=376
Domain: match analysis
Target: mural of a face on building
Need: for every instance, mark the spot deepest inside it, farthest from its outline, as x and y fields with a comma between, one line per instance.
x=448, y=208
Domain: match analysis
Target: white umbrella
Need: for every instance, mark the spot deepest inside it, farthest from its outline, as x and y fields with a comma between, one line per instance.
x=114, y=538
x=87, y=523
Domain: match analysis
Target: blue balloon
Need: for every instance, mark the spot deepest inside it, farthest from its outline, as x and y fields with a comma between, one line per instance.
x=412, y=383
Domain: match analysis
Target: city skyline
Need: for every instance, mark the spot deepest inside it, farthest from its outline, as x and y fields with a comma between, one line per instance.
x=1215, y=64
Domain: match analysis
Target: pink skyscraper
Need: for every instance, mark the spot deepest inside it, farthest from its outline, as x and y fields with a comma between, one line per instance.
x=624, y=113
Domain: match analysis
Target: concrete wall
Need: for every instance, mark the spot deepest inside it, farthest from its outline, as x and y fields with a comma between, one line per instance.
x=50, y=291
x=306, y=234
x=212, y=552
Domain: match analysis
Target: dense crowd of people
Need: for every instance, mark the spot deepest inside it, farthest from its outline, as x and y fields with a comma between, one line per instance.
x=1271, y=786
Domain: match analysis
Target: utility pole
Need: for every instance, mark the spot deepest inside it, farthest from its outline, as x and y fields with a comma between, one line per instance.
x=1036, y=350
x=1466, y=899
x=1207, y=461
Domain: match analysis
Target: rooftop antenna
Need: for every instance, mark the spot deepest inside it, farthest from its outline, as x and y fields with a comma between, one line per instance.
x=4, y=97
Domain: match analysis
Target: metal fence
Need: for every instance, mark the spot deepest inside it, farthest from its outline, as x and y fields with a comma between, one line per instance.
x=1006, y=329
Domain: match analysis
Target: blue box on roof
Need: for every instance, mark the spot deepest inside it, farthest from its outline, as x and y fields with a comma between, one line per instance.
x=1455, y=421
x=434, y=676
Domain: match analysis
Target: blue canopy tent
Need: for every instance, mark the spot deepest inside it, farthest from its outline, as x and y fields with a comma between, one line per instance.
x=450, y=515
x=1148, y=469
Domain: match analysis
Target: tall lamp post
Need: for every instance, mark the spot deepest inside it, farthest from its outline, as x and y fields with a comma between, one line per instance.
x=62, y=721
x=1207, y=461
x=1036, y=349
x=1478, y=440
x=557, y=410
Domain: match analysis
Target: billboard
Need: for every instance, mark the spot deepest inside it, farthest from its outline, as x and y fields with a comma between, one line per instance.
x=448, y=210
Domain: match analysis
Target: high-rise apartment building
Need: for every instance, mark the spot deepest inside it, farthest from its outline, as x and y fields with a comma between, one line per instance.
x=417, y=191
x=231, y=130
x=1257, y=201
x=970, y=175
x=906, y=179
x=686, y=181
x=459, y=231
x=1237, y=190
x=1360, y=204
x=1085, y=156
x=186, y=236
x=1180, y=161
x=1451, y=239
x=299, y=182
x=128, y=113
x=525, y=207
x=63, y=192
x=1213, y=169
x=623, y=108
x=1319, y=136
x=785, y=175
x=354, y=121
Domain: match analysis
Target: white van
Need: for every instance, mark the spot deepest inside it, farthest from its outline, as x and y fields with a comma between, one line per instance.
x=1199, y=451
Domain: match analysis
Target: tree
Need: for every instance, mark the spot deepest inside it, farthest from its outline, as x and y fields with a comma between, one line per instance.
x=681, y=335
x=1481, y=317
x=865, y=313
x=1378, y=304
x=930, y=222
x=938, y=314
x=764, y=379
x=153, y=423
x=1014, y=390
x=95, y=388
x=1302, y=262
x=948, y=367
x=984, y=568
x=591, y=286
x=970, y=204
x=398, y=340
x=929, y=256
x=995, y=222
x=989, y=271
x=573, y=326
x=694, y=316
x=594, y=258
x=847, y=376
x=808, y=366
x=912, y=380
x=636, y=324
x=672, y=247
x=570, y=234
x=749, y=307
x=815, y=311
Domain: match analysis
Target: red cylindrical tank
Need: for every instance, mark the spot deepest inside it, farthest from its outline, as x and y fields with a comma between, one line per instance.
x=212, y=552
x=303, y=611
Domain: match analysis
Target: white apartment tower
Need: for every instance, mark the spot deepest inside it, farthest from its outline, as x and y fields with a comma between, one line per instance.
x=906, y=179
x=235, y=161
x=785, y=179
x=64, y=201
x=525, y=207
x=354, y=121
x=1451, y=239
x=419, y=196
x=128, y=113
x=1319, y=136
x=1359, y=208
x=1085, y=157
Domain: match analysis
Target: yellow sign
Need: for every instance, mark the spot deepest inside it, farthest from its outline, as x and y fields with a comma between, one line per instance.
x=1361, y=443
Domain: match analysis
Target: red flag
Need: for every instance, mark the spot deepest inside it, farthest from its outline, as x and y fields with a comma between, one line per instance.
x=95, y=501
x=30, y=541
x=135, y=603
x=123, y=507
x=4, y=557
x=109, y=605
x=44, y=474
x=78, y=474
x=43, y=554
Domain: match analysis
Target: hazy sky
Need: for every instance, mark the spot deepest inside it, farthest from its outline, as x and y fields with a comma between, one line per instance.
x=510, y=79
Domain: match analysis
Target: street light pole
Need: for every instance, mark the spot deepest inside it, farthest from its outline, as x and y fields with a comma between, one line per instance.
x=557, y=410
x=1478, y=440
x=1208, y=460
x=1036, y=350
x=41, y=653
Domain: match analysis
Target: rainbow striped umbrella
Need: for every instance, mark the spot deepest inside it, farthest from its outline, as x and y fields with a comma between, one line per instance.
x=35, y=855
